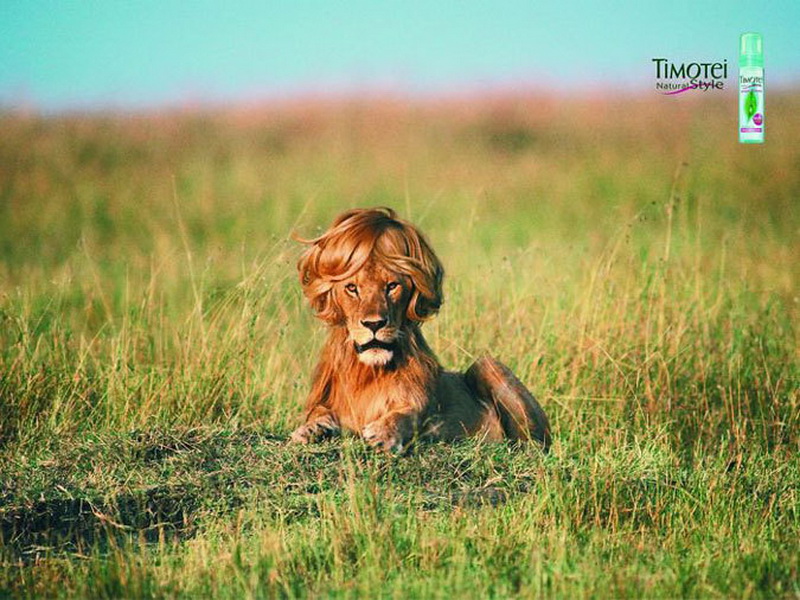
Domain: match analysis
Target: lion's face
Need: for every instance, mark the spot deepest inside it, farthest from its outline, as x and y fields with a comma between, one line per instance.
x=374, y=302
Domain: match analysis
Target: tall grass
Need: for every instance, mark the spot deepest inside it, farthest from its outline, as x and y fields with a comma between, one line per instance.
x=634, y=265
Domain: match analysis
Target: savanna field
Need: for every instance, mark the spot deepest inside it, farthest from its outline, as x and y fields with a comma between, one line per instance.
x=631, y=262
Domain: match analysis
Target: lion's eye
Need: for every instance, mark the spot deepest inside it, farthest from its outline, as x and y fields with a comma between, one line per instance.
x=351, y=288
x=391, y=286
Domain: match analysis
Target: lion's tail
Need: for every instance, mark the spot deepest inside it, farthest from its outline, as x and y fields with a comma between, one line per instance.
x=520, y=414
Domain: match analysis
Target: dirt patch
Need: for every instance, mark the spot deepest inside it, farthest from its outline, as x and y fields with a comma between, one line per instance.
x=82, y=524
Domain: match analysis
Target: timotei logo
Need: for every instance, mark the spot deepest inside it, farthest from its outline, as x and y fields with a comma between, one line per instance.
x=677, y=78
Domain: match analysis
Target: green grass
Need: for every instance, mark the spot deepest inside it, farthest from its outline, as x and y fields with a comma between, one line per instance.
x=635, y=266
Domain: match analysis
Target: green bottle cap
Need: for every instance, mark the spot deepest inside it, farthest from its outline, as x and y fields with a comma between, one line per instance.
x=751, y=50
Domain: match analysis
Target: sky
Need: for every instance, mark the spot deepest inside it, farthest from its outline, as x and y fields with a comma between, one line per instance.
x=84, y=54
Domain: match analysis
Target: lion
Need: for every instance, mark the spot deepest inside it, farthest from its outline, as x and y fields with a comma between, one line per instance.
x=374, y=279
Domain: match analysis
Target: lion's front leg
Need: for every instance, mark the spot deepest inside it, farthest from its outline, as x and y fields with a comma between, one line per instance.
x=321, y=423
x=391, y=433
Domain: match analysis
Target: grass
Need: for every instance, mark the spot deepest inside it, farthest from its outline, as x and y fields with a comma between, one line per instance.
x=634, y=265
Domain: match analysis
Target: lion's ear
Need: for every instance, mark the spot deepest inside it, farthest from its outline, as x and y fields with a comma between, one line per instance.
x=422, y=305
x=427, y=278
x=325, y=306
x=317, y=289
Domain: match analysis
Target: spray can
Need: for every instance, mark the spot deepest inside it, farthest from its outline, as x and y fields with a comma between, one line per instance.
x=751, y=89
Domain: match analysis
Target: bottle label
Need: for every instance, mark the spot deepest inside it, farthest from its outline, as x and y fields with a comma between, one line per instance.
x=751, y=104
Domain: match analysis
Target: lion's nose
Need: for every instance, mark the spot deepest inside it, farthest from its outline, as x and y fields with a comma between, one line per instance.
x=374, y=326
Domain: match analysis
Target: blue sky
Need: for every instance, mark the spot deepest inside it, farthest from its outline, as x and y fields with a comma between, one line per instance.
x=90, y=53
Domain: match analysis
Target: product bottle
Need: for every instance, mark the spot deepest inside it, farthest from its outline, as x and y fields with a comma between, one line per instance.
x=751, y=89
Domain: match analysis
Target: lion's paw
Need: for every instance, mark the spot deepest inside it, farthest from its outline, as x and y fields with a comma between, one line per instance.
x=379, y=435
x=314, y=431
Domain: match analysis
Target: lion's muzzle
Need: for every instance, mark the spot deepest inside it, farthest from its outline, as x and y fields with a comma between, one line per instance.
x=375, y=352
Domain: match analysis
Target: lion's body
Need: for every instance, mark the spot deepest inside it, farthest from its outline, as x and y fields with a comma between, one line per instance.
x=373, y=278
